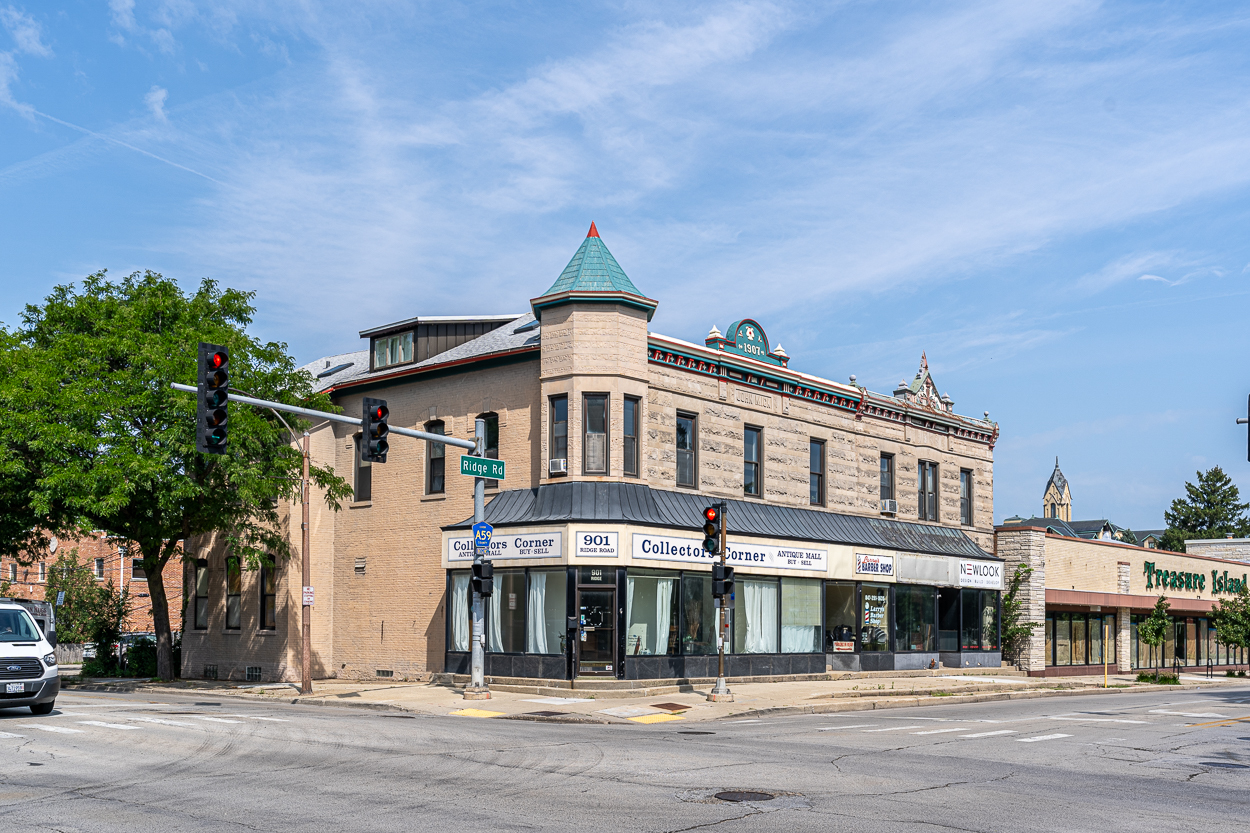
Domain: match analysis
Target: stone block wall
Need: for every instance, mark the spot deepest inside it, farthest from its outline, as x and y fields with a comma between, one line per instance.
x=1021, y=545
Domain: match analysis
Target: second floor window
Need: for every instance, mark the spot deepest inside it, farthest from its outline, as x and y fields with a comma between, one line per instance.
x=887, y=477
x=595, y=434
x=686, y=439
x=268, y=599
x=99, y=568
x=751, y=461
x=136, y=568
x=201, y=594
x=632, y=406
x=816, y=467
x=363, y=476
x=234, y=587
x=43, y=571
x=559, y=429
x=436, y=467
x=389, y=350
x=965, y=497
x=928, y=507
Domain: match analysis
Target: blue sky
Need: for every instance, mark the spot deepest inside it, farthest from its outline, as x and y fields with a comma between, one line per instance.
x=1049, y=198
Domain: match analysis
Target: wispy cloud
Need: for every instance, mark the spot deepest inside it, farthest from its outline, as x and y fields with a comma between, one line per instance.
x=27, y=37
x=155, y=99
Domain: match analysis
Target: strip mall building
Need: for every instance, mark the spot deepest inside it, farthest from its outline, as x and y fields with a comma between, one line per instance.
x=860, y=523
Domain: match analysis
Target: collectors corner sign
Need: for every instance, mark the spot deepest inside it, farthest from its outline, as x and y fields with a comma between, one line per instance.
x=987, y=574
x=524, y=545
x=874, y=565
x=665, y=548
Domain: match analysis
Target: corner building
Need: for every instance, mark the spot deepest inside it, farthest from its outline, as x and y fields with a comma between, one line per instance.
x=859, y=523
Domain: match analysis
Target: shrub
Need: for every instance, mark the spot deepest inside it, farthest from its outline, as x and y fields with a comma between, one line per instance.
x=141, y=659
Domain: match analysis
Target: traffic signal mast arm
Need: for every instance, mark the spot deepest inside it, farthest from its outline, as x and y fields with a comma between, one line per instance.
x=308, y=412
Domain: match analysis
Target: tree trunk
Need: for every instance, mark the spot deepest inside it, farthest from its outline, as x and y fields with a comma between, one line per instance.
x=154, y=566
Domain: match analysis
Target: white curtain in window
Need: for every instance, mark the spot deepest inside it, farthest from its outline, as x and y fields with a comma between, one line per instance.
x=663, y=614
x=760, y=602
x=536, y=624
x=460, y=611
x=494, y=633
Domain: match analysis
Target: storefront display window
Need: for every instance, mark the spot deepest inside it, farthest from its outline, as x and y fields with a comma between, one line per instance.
x=505, y=621
x=800, y=615
x=915, y=611
x=875, y=615
x=459, y=610
x=1063, y=639
x=545, y=631
x=757, y=612
x=1050, y=639
x=650, y=613
x=698, y=635
x=840, y=619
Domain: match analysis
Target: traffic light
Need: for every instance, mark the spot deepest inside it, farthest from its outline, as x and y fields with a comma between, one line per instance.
x=213, y=399
x=374, y=430
x=722, y=580
x=483, y=578
x=711, y=529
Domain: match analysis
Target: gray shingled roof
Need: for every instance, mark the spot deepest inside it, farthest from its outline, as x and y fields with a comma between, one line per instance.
x=1057, y=478
x=640, y=504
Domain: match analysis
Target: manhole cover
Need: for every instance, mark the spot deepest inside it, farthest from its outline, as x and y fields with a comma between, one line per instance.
x=741, y=795
x=1224, y=764
x=670, y=707
x=692, y=732
x=547, y=714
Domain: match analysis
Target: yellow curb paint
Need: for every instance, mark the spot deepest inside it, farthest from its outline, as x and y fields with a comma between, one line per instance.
x=656, y=718
x=476, y=713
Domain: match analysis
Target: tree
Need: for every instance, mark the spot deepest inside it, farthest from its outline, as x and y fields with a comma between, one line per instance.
x=1231, y=618
x=1154, y=629
x=1211, y=509
x=92, y=436
x=1016, y=632
x=73, y=616
x=1126, y=536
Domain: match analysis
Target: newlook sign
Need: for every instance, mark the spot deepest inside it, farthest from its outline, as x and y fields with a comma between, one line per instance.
x=526, y=545
x=664, y=548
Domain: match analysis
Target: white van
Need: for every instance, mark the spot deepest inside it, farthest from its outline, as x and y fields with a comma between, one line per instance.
x=28, y=672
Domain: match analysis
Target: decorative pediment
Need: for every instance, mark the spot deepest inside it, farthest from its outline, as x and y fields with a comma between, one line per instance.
x=746, y=338
x=923, y=391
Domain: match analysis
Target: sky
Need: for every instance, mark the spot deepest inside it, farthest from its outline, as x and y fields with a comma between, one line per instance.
x=1051, y=200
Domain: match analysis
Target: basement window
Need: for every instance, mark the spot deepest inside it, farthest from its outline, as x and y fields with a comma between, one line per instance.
x=360, y=566
x=252, y=673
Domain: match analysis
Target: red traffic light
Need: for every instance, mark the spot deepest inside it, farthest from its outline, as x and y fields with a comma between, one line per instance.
x=711, y=513
x=379, y=412
x=218, y=359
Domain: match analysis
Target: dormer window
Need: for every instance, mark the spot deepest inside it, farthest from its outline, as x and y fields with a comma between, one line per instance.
x=392, y=349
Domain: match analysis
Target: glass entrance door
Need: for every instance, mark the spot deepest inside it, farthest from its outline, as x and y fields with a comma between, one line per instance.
x=596, y=639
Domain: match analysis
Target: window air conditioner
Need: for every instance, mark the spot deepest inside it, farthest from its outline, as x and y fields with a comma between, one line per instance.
x=560, y=466
x=890, y=506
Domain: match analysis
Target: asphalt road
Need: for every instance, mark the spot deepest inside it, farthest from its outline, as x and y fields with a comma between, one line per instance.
x=1162, y=761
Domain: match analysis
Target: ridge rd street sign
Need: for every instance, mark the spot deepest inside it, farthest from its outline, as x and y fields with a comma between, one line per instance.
x=482, y=533
x=481, y=467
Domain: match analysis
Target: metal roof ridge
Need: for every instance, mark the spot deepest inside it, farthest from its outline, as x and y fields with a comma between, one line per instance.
x=437, y=319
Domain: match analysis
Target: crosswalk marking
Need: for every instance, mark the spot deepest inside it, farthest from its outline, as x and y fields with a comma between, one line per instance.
x=990, y=734
x=852, y=726
x=1041, y=737
x=10, y=735
x=940, y=731
x=107, y=725
x=272, y=719
x=160, y=720
x=220, y=720
x=1188, y=714
x=1098, y=720
x=58, y=729
x=893, y=728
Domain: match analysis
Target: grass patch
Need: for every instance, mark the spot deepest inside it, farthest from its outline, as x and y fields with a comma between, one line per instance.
x=1162, y=679
x=941, y=693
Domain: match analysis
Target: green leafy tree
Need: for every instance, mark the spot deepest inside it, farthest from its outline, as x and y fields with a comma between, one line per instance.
x=1231, y=618
x=92, y=436
x=1126, y=536
x=1153, y=630
x=1016, y=632
x=73, y=616
x=104, y=614
x=1210, y=509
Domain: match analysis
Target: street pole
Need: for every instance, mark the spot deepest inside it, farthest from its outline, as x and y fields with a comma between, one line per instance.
x=720, y=692
x=477, y=689
x=1104, y=652
x=306, y=683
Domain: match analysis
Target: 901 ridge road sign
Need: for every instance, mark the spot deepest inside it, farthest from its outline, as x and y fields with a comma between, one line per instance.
x=481, y=467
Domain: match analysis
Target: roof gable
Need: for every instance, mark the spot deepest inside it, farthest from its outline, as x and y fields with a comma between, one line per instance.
x=593, y=275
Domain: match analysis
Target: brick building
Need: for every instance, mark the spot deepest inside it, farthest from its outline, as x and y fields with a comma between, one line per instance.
x=107, y=559
x=860, y=522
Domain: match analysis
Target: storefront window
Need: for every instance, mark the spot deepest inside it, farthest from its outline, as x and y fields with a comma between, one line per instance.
x=546, y=627
x=1063, y=639
x=970, y=602
x=989, y=620
x=459, y=610
x=1095, y=639
x=1111, y=638
x=915, y=609
x=698, y=635
x=1078, y=638
x=948, y=619
x=651, y=613
x=505, y=625
x=840, y=617
x=875, y=614
x=1050, y=639
x=800, y=615
x=755, y=632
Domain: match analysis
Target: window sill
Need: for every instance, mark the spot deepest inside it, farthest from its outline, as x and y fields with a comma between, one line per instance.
x=426, y=498
x=267, y=632
x=362, y=504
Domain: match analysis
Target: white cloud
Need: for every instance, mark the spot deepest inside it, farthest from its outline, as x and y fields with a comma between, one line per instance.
x=155, y=99
x=123, y=14
x=26, y=32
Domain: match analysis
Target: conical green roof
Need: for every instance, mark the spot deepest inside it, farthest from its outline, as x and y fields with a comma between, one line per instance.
x=593, y=275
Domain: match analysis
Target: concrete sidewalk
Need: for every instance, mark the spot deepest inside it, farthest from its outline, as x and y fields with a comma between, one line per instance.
x=751, y=699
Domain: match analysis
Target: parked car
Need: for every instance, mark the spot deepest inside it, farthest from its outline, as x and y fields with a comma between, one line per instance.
x=28, y=669
x=88, y=650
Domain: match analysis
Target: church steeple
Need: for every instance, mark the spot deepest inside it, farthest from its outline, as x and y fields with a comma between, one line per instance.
x=1057, y=499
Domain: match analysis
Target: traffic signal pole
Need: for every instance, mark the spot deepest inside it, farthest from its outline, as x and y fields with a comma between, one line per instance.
x=477, y=689
x=306, y=609
x=720, y=692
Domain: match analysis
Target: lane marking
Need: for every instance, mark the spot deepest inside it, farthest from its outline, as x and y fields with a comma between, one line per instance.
x=1040, y=737
x=62, y=730
x=1188, y=714
x=1229, y=722
x=1100, y=720
x=990, y=734
x=272, y=719
x=10, y=735
x=107, y=725
x=162, y=721
x=852, y=726
x=940, y=731
x=475, y=713
x=219, y=719
x=893, y=729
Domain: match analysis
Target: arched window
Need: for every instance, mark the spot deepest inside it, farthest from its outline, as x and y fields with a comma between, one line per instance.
x=1054, y=511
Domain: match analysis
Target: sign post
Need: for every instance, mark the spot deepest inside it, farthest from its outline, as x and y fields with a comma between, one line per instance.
x=477, y=690
x=720, y=692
